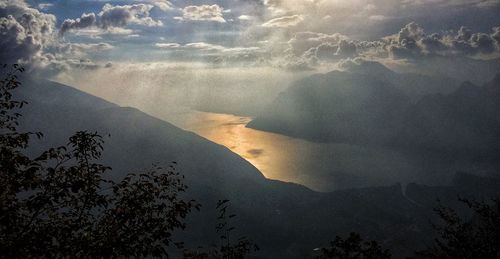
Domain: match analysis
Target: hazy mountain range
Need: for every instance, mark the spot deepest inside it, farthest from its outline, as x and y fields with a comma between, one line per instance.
x=370, y=104
x=286, y=220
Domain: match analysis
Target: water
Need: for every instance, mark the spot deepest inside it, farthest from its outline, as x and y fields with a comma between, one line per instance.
x=319, y=166
x=171, y=93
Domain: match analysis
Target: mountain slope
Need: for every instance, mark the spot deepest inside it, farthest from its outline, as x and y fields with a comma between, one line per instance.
x=413, y=85
x=465, y=119
x=61, y=110
x=337, y=106
x=286, y=220
x=358, y=108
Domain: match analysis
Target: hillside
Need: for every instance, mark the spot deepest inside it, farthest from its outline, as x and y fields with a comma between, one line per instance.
x=368, y=105
x=413, y=85
x=286, y=220
x=337, y=106
x=462, y=120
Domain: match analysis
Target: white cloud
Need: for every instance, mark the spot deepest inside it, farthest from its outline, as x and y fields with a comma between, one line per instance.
x=214, y=53
x=29, y=38
x=26, y=32
x=163, y=5
x=378, y=17
x=85, y=21
x=112, y=19
x=245, y=17
x=45, y=6
x=284, y=21
x=80, y=50
x=121, y=15
x=168, y=45
x=204, y=46
x=202, y=13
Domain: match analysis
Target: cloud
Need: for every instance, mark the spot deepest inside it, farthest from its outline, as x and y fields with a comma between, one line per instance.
x=412, y=42
x=202, y=13
x=214, y=53
x=28, y=37
x=446, y=3
x=168, y=45
x=111, y=18
x=368, y=19
x=292, y=34
x=496, y=34
x=310, y=50
x=45, y=6
x=163, y=5
x=284, y=21
x=80, y=50
x=307, y=50
x=203, y=46
x=404, y=44
x=121, y=15
x=85, y=21
x=378, y=17
x=25, y=31
x=303, y=41
x=346, y=49
x=245, y=17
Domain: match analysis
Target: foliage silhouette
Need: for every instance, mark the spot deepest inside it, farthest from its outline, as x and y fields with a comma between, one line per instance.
x=478, y=237
x=59, y=205
x=227, y=249
x=353, y=247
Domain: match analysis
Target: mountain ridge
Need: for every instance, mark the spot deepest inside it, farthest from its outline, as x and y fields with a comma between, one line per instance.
x=286, y=220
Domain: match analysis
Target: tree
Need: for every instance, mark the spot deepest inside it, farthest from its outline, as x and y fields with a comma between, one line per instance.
x=478, y=237
x=60, y=205
x=353, y=247
x=227, y=249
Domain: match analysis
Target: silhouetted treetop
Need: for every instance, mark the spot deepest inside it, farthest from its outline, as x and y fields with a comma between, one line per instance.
x=61, y=205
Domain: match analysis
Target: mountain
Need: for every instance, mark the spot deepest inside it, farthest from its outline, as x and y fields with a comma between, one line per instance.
x=494, y=85
x=337, y=106
x=478, y=71
x=412, y=84
x=465, y=119
x=286, y=220
x=61, y=110
x=367, y=106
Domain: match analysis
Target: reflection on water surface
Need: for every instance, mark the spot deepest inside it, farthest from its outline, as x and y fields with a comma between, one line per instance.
x=320, y=166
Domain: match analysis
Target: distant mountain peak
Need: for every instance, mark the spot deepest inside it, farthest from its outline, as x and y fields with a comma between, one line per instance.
x=366, y=67
x=467, y=89
x=494, y=84
x=496, y=78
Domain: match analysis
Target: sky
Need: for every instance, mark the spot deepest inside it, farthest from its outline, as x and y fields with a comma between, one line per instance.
x=307, y=35
x=170, y=58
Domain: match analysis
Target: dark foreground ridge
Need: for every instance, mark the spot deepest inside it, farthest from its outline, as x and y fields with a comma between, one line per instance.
x=286, y=220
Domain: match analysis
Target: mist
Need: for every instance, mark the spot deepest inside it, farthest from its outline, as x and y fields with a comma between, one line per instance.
x=164, y=89
x=219, y=102
x=249, y=128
